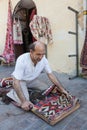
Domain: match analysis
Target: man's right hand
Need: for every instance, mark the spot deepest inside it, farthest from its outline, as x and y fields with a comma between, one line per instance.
x=27, y=105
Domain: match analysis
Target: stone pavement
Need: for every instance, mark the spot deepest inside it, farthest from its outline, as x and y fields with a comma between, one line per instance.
x=13, y=118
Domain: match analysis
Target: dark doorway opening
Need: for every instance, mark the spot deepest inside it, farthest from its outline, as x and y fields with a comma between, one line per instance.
x=24, y=11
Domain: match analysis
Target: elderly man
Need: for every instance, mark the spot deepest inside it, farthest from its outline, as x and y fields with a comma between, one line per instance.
x=27, y=70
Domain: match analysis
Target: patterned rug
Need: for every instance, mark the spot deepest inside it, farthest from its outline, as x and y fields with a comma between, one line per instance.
x=50, y=105
x=55, y=105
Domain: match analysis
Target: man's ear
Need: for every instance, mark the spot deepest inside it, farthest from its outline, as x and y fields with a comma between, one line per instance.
x=31, y=50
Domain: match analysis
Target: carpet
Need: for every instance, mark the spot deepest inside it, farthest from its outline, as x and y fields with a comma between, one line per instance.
x=51, y=105
x=55, y=105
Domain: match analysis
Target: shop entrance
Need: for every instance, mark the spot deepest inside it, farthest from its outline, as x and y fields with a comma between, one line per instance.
x=24, y=12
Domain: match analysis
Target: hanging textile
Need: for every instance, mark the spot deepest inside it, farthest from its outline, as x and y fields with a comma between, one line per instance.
x=41, y=29
x=17, y=32
x=32, y=14
x=83, y=59
x=31, y=17
x=8, y=54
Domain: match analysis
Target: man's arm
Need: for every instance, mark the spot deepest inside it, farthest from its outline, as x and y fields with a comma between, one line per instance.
x=57, y=83
x=24, y=103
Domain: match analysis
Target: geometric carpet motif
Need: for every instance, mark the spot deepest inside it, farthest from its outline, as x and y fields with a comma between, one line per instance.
x=55, y=106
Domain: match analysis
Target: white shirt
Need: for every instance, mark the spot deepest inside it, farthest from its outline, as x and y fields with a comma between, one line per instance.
x=25, y=69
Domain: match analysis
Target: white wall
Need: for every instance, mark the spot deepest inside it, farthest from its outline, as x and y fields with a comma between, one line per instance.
x=62, y=20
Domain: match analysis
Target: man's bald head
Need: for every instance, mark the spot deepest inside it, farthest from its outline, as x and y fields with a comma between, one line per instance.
x=37, y=45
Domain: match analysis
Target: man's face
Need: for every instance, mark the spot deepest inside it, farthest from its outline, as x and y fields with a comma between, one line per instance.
x=37, y=54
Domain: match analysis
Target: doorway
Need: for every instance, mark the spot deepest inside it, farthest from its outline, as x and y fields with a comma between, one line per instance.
x=24, y=11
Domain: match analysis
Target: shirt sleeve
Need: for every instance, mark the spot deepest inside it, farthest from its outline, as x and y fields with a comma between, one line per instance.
x=47, y=67
x=19, y=69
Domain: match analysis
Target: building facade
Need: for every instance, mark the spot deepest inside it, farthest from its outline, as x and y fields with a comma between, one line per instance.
x=62, y=20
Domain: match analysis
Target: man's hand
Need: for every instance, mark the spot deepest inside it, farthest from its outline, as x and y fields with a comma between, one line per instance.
x=27, y=105
x=66, y=93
